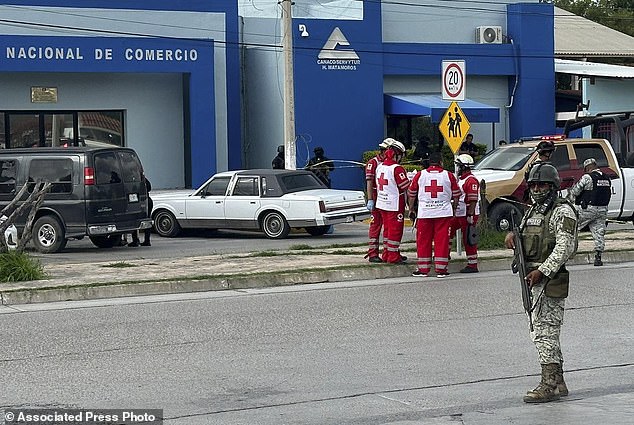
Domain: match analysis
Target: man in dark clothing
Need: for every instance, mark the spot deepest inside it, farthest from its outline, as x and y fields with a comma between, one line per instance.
x=422, y=152
x=321, y=165
x=278, y=161
x=468, y=147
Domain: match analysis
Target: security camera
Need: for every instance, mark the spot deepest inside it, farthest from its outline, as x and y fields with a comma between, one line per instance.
x=302, y=29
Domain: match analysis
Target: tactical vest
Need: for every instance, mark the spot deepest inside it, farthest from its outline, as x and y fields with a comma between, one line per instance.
x=539, y=244
x=600, y=194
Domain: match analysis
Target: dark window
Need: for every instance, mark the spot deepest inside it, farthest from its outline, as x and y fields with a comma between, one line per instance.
x=586, y=151
x=107, y=169
x=297, y=182
x=246, y=186
x=560, y=158
x=217, y=187
x=57, y=171
x=7, y=175
x=131, y=167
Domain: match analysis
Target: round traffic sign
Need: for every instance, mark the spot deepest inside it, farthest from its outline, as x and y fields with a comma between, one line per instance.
x=453, y=80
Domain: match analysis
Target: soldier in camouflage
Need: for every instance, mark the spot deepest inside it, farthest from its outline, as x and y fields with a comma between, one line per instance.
x=549, y=233
x=592, y=195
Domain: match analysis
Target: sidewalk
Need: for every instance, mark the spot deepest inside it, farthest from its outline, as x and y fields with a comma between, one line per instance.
x=237, y=271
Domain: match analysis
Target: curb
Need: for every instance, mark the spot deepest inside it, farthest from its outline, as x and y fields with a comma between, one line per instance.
x=35, y=294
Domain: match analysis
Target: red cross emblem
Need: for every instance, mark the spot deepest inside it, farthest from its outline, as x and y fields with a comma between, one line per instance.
x=382, y=181
x=434, y=189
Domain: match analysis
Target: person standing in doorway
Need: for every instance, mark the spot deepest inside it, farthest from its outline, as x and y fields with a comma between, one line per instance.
x=592, y=195
x=436, y=191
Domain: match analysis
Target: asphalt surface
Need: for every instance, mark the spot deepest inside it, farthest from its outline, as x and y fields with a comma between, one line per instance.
x=128, y=272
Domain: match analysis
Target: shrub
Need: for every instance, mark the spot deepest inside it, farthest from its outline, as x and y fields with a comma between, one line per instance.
x=19, y=266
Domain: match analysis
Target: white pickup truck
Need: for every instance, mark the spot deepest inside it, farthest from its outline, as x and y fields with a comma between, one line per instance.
x=503, y=171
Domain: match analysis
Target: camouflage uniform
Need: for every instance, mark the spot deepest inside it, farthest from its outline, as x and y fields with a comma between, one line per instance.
x=548, y=314
x=592, y=216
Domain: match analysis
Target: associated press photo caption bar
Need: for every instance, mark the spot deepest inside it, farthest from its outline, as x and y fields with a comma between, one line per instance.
x=81, y=416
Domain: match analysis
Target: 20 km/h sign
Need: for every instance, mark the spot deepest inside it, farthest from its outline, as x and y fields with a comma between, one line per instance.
x=453, y=80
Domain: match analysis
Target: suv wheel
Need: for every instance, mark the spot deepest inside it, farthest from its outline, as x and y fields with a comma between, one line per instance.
x=165, y=224
x=48, y=235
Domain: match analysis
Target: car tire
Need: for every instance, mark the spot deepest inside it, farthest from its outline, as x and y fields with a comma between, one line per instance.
x=48, y=235
x=275, y=226
x=317, y=230
x=165, y=224
x=500, y=216
x=106, y=241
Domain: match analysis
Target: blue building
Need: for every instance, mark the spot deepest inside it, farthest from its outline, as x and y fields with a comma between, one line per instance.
x=196, y=86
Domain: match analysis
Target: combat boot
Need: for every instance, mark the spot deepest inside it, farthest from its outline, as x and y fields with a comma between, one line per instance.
x=547, y=389
x=597, y=259
x=559, y=379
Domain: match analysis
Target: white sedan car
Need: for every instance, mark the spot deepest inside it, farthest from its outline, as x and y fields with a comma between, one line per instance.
x=273, y=201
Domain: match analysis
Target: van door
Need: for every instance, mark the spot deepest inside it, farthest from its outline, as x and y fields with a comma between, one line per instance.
x=119, y=195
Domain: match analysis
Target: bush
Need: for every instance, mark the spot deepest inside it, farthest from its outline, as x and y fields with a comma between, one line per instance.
x=489, y=237
x=19, y=266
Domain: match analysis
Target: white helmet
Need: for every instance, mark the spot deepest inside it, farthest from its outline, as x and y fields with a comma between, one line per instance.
x=464, y=159
x=398, y=146
x=386, y=143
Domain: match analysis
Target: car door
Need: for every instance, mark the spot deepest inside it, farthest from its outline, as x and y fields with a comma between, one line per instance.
x=206, y=207
x=243, y=203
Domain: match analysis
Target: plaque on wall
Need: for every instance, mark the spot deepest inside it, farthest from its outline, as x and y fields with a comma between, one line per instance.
x=43, y=94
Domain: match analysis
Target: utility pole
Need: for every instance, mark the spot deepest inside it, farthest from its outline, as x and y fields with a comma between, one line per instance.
x=289, y=90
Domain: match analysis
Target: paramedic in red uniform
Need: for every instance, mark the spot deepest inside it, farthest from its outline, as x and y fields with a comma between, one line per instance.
x=391, y=187
x=376, y=223
x=437, y=192
x=468, y=209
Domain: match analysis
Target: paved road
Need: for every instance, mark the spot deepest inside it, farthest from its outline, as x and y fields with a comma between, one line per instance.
x=390, y=351
x=195, y=243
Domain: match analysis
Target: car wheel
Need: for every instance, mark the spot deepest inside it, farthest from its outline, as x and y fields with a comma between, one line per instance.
x=165, y=224
x=317, y=230
x=500, y=216
x=107, y=241
x=48, y=235
x=274, y=225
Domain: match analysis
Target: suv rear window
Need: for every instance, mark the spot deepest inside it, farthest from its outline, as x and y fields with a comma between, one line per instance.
x=107, y=169
x=131, y=167
x=58, y=171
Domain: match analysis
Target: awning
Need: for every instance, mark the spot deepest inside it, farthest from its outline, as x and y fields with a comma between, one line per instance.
x=592, y=69
x=435, y=106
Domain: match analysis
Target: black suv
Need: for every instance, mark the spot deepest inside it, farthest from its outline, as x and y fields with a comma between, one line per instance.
x=95, y=192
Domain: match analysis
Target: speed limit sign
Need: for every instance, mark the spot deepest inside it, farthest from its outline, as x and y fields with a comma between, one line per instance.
x=453, y=80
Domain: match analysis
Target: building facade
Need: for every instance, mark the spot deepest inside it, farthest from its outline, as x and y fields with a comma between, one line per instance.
x=197, y=86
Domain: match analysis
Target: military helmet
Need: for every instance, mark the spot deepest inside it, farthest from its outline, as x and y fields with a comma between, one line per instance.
x=464, y=160
x=544, y=173
x=545, y=146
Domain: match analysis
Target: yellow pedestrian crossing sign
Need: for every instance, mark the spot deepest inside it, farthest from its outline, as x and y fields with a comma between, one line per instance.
x=454, y=126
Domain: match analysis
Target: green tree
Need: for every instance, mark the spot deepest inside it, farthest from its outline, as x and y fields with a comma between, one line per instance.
x=615, y=14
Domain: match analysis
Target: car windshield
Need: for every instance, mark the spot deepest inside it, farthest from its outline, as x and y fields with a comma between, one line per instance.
x=296, y=182
x=510, y=158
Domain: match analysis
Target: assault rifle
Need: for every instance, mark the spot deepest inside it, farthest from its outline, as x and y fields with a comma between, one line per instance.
x=519, y=266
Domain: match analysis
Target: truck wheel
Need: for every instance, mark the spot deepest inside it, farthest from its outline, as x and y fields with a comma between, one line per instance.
x=500, y=216
x=48, y=235
x=107, y=241
x=165, y=224
x=274, y=225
